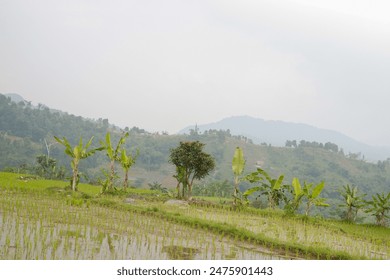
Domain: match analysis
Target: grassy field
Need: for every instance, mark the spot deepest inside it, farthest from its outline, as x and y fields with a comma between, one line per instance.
x=41, y=219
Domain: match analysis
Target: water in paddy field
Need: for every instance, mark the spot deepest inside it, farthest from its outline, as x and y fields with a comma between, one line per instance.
x=24, y=238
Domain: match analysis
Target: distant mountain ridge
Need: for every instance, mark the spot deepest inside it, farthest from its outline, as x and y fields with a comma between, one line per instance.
x=278, y=132
x=15, y=97
x=275, y=133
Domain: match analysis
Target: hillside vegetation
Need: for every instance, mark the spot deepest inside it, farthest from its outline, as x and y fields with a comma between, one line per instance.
x=27, y=132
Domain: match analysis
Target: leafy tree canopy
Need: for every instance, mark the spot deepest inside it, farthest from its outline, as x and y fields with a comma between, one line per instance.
x=190, y=159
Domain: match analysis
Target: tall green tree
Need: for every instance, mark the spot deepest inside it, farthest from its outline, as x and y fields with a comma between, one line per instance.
x=77, y=153
x=191, y=162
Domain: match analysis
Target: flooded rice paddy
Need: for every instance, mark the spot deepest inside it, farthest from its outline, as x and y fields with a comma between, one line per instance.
x=38, y=227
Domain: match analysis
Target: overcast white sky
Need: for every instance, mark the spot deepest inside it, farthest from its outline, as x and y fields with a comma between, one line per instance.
x=163, y=65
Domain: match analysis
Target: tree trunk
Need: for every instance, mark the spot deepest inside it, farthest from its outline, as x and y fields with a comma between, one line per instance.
x=178, y=190
x=112, y=175
x=190, y=186
x=350, y=214
x=189, y=192
x=75, y=177
x=125, y=183
x=381, y=219
x=307, y=209
x=183, y=190
x=235, y=194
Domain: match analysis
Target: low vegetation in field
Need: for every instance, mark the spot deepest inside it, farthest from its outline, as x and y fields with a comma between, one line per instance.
x=52, y=223
x=43, y=219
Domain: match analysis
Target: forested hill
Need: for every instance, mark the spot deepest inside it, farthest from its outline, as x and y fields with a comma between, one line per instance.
x=27, y=131
x=37, y=123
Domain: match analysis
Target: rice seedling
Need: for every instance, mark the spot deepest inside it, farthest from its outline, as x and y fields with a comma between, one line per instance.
x=40, y=222
x=295, y=231
x=49, y=228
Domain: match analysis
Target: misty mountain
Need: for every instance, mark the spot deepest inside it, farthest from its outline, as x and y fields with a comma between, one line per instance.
x=15, y=97
x=277, y=133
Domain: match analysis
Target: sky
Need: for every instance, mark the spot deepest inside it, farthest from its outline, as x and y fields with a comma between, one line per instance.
x=164, y=65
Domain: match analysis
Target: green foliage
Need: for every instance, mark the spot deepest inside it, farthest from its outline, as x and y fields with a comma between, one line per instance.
x=293, y=205
x=218, y=189
x=352, y=202
x=77, y=153
x=181, y=178
x=238, y=164
x=191, y=163
x=156, y=186
x=379, y=206
x=126, y=161
x=47, y=168
x=312, y=196
x=105, y=182
x=272, y=188
x=116, y=155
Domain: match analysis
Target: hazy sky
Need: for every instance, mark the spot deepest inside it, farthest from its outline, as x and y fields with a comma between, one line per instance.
x=163, y=65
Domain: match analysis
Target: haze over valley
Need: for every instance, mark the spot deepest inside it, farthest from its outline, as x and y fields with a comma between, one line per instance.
x=208, y=129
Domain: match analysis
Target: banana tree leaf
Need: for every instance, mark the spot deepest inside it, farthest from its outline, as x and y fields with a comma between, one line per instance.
x=108, y=139
x=265, y=174
x=253, y=177
x=318, y=189
x=89, y=143
x=297, y=187
x=320, y=203
x=276, y=185
x=238, y=162
x=250, y=191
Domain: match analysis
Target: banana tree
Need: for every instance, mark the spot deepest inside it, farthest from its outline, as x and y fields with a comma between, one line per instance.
x=352, y=201
x=298, y=193
x=113, y=154
x=126, y=162
x=77, y=153
x=238, y=164
x=312, y=195
x=379, y=206
x=272, y=188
